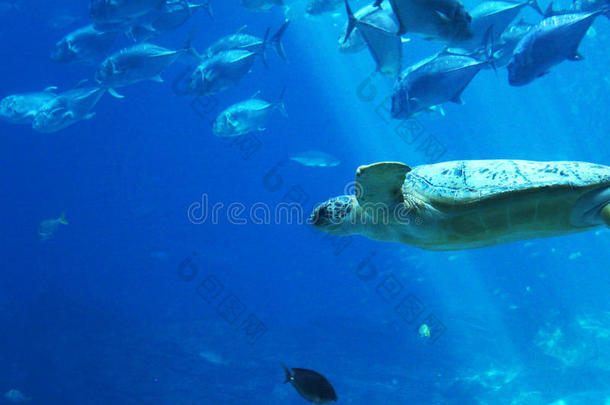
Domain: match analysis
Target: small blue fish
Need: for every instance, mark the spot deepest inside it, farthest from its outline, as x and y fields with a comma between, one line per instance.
x=67, y=109
x=48, y=227
x=247, y=116
x=84, y=45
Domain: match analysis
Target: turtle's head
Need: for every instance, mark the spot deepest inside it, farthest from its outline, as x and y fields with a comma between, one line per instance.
x=336, y=216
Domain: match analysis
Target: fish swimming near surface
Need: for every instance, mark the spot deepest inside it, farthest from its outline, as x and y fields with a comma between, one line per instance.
x=48, y=227
x=315, y=158
x=434, y=81
x=261, y=5
x=84, y=45
x=444, y=20
x=135, y=64
x=242, y=40
x=311, y=385
x=318, y=7
x=21, y=108
x=221, y=71
x=496, y=14
x=246, y=116
x=173, y=15
x=67, y=109
x=117, y=14
x=549, y=43
x=379, y=30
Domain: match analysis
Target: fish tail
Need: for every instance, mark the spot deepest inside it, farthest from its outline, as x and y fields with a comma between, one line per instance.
x=534, y=4
x=264, y=47
x=188, y=45
x=549, y=11
x=276, y=40
x=280, y=103
x=490, y=48
x=288, y=374
x=351, y=22
x=62, y=219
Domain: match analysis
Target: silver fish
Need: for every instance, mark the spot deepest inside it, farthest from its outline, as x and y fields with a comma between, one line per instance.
x=434, y=81
x=67, y=109
x=495, y=14
x=444, y=20
x=354, y=42
x=172, y=16
x=242, y=40
x=379, y=29
x=315, y=158
x=84, y=45
x=552, y=41
x=318, y=7
x=21, y=108
x=117, y=15
x=246, y=116
x=131, y=65
x=221, y=71
x=261, y=5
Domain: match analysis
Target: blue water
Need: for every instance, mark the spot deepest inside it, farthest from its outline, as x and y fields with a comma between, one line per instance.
x=130, y=303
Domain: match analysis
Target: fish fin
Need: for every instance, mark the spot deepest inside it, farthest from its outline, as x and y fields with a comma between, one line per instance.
x=81, y=83
x=351, y=22
x=157, y=79
x=62, y=218
x=457, y=99
x=280, y=103
x=443, y=16
x=242, y=29
x=89, y=116
x=188, y=45
x=288, y=374
x=488, y=43
x=549, y=11
x=51, y=89
x=261, y=129
x=276, y=40
x=262, y=52
x=114, y=93
x=534, y=4
x=69, y=114
x=258, y=93
x=404, y=40
x=576, y=57
x=437, y=108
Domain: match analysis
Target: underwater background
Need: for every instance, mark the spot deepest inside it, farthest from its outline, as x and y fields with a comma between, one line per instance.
x=142, y=300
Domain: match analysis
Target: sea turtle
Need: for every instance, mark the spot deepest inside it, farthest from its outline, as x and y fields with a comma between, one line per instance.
x=470, y=204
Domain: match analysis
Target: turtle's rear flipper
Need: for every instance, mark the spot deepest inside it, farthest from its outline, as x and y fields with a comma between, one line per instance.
x=605, y=214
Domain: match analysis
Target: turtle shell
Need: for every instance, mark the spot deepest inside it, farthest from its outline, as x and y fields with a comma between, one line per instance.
x=476, y=181
x=484, y=202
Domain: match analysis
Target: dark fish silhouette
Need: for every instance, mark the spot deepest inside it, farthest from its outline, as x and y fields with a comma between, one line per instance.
x=312, y=386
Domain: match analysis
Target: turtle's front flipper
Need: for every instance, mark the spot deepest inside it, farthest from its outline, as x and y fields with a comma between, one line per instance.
x=605, y=214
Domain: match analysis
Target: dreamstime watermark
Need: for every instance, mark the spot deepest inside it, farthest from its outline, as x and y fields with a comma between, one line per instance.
x=228, y=306
x=343, y=210
x=406, y=305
